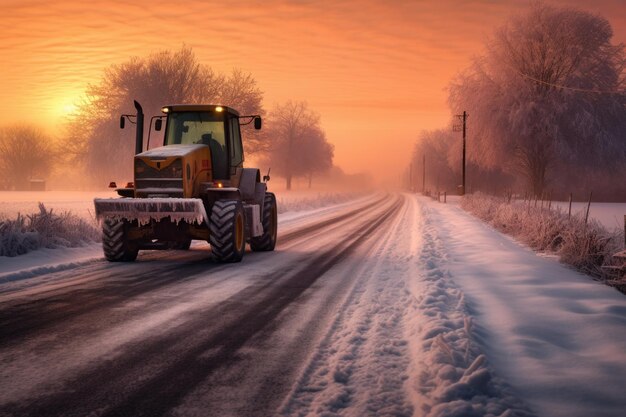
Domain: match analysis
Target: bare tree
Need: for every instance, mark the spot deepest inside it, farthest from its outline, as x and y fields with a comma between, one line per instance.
x=298, y=145
x=26, y=152
x=240, y=91
x=162, y=78
x=548, y=93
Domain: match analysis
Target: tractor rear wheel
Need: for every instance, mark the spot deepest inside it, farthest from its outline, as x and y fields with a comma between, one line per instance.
x=227, y=231
x=267, y=241
x=116, y=247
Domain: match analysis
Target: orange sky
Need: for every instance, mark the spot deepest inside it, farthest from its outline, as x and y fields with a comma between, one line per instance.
x=376, y=71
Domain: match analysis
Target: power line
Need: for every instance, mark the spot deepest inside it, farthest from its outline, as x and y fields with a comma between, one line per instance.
x=565, y=87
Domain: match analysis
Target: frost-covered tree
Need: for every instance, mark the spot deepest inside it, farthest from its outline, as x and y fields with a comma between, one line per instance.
x=26, y=152
x=298, y=145
x=166, y=77
x=548, y=94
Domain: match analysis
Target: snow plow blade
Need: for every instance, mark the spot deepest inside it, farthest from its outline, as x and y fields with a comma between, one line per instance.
x=145, y=210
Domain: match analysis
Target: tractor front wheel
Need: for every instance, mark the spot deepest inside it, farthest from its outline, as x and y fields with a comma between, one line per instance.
x=116, y=247
x=227, y=231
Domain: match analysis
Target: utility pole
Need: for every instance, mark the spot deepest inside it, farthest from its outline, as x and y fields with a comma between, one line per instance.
x=424, y=173
x=456, y=128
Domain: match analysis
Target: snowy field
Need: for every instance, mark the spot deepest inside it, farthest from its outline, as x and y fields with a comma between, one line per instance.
x=26, y=202
x=386, y=305
x=81, y=202
x=610, y=215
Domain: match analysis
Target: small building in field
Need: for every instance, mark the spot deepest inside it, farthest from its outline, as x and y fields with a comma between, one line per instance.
x=37, y=185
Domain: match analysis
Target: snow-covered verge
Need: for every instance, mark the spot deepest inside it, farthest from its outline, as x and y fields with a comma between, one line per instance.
x=556, y=337
x=587, y=247
x=44, y=229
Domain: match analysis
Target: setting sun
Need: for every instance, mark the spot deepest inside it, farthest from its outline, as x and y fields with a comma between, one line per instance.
x=69, y=108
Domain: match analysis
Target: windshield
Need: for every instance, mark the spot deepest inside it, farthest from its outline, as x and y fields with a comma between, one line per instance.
x=195, y=127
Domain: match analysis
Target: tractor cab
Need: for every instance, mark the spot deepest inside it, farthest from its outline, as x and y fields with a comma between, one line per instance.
x=192, y=187
x=218, y=127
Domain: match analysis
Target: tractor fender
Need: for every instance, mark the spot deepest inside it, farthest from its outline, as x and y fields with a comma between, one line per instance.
x=247, y=183
x=226, y=193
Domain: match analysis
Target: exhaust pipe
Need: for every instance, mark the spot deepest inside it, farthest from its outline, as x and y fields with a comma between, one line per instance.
x=139, y=132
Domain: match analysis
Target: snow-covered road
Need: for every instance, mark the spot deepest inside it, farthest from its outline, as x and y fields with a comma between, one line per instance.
x=390, y=305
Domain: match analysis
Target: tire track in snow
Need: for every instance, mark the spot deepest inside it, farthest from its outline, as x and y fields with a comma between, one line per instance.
x=360, y=367
x=452, y=375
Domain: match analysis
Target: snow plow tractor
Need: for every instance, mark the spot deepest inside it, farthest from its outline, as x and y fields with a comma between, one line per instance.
x=192, y=187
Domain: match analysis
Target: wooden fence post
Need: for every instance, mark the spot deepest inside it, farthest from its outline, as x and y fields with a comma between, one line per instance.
x=569, y=212
x=588, y=205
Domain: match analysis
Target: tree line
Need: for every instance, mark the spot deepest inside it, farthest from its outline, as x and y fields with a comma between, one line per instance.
x=547, y=110
x=292, y=142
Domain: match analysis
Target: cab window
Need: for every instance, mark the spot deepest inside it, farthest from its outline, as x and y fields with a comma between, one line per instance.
x=189, y=128
x=236, y=149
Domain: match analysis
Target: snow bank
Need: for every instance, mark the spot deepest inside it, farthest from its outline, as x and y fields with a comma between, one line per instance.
x=454, y=377
x=45, y=261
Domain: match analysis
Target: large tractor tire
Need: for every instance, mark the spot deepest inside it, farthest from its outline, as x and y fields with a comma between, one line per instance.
x=116, y=247
x=227, y=228
x=267, y=241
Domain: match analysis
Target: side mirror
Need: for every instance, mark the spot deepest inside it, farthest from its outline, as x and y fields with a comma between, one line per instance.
x=158, y=125
x=122, y=122
x=258, y=122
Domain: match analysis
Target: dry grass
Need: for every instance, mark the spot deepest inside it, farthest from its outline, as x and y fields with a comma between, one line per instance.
x=44, y=230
